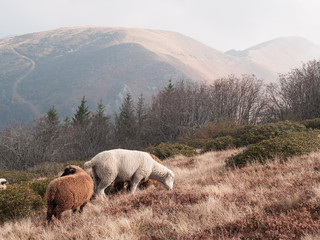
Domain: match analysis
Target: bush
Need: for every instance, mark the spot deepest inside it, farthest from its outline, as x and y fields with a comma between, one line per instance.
x=218, y=144
x=197, y=142
x=40, y=186
x=165, y=150
x=18, y=201
x=311, y=123
x=233, y=135
x=17, y=176
x=47, y=168
x=292, y=144
x=53, y=168
x=217, y=129
x=254, y=134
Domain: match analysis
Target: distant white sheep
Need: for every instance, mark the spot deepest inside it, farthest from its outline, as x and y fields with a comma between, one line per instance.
x=3, y=183
x=120, y=165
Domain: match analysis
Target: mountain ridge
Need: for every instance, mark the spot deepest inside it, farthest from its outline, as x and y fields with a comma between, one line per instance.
x=106, y=62
x=267, y=54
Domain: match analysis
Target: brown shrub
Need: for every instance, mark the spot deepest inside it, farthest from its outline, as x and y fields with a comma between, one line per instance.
x=209, y=201
x=158, y=201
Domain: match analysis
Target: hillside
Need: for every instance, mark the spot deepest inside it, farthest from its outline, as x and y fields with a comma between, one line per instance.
x=279, y=55
x=208, y=201
x=58, y=67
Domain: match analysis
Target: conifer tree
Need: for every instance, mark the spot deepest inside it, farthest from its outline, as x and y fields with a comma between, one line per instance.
x=99, y=134
x=141, y=116
x=99, y=117
x=126, y=122
x=82, y=115
x=67, y=122
x=100, y=110
x=53, y=116
x=170, y=86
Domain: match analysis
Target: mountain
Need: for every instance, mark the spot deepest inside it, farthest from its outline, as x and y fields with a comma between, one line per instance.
x=278, y=56
x=58, y=67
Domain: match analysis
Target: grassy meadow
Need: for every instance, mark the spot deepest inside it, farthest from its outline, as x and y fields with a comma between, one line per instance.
x=277, y=200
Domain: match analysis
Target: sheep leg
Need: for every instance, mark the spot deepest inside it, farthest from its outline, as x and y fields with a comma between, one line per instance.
x=74, y=210
x=144, y=184
x=82, y=206
x=96, y=180
x=136, y=178
x=50, y=212
x=58, y=211
x=102, y=186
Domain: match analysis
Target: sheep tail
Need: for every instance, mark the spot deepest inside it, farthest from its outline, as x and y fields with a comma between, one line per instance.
x=88, y=164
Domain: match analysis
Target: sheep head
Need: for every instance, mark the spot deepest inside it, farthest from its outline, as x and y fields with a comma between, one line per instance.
x=71, y=169
x=3, y=183
x=169, y=180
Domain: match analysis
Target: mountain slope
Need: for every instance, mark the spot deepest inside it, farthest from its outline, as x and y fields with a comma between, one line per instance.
x=58, y=67
x=279, y=55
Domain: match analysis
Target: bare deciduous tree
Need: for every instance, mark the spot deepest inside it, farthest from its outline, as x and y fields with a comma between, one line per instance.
x=297, y=96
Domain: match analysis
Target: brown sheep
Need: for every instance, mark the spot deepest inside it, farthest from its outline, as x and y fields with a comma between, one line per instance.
x=72, y=190
x=142, y=185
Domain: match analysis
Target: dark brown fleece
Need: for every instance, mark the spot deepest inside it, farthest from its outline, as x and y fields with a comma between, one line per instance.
x=68, y=192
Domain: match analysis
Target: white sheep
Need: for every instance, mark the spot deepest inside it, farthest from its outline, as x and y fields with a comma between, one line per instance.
x=120, y=165
x=3, y=183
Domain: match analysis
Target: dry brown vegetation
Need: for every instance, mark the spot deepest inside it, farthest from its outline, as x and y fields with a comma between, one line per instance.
x=272, y=201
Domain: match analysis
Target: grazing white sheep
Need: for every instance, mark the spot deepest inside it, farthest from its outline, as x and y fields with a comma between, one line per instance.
x=120, y=165
x=3, y=183
x=142, y=185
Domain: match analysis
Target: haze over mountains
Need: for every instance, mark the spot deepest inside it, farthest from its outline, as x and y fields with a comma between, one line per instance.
x=58, y=67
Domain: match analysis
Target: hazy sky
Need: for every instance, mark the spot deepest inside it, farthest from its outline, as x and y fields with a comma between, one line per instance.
x=221, y=24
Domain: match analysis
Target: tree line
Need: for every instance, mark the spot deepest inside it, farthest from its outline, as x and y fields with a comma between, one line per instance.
x=178, y=110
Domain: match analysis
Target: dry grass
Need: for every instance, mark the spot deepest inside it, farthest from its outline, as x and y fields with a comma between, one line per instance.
x=274, y=201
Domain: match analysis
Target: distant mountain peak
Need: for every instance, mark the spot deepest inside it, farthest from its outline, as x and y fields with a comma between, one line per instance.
x=288, y=41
